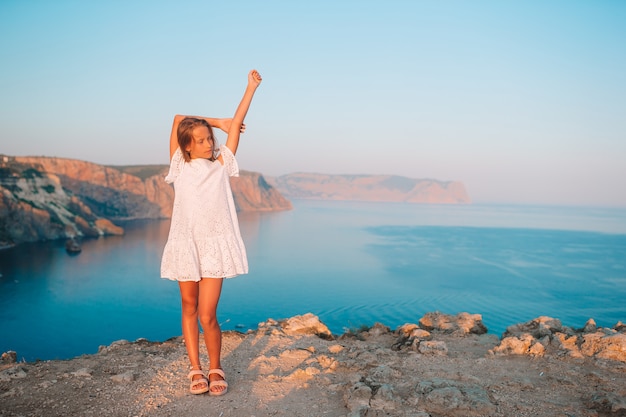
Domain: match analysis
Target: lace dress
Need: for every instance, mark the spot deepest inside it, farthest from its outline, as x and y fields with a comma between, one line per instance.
x=204, y=239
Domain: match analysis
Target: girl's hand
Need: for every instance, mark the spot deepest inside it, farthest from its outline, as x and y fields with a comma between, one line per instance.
x=254, y=78
x=225, y=125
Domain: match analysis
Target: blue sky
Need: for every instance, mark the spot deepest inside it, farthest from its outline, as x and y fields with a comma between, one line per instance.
x=524, y=102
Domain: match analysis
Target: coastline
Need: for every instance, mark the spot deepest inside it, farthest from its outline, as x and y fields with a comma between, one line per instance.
x=442, y=366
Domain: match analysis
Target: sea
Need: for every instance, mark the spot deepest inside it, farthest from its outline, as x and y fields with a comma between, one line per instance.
x=352, y=264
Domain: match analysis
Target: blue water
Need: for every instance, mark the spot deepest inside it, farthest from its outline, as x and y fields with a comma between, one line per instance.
x=350, y=263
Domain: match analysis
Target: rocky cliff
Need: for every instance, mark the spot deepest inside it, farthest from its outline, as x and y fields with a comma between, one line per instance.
x=34, y=205
x=441, y=365
x=253, y=193
x=371, y=188
x=50, y=198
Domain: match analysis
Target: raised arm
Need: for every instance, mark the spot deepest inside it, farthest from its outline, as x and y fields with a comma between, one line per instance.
x=223, y=124
x=234, y=131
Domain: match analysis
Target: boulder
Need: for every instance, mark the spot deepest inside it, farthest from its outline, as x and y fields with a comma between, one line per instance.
x=568, y=343
x=538, y=328
x=601, y=346
x=461, y=324
x=524, y=344
x=306, y=324
x=9, y=357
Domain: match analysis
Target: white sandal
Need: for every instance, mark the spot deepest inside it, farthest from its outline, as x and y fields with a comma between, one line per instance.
x=217, y=383
x=199, y=385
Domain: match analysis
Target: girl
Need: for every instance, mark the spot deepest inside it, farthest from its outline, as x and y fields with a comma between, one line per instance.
x=204, y=245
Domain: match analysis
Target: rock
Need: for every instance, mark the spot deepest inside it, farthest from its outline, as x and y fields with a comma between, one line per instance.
x=406, y=329
x=378, y=329
x=9, y=357
x=470, y=323
x=538, y=328
x=306, y=324
x=335, y=348
x=15, y=372
x=437, y=321
x=590, y=326
x=602, y=343
x=421, y=334
x=536, y=349
x=568, y=343
x=327, y=362
x=607, y=403
x=83, y=373
x=409, y=335
x=384, y=399
x=525, y=344
x=126, y=377
x=611, y=347
x=432, y=348
x=462, y=323
x=113, y=346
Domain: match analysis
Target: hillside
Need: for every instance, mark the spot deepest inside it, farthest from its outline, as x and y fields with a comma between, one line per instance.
x=371, y=188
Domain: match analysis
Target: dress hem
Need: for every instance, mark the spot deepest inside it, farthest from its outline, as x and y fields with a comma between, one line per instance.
x=199, y=279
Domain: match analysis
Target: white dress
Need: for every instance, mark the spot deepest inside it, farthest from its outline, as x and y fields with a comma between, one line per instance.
x=204, y=239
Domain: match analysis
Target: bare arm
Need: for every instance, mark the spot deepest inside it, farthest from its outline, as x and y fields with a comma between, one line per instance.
x=236, y=124
x=173, y=136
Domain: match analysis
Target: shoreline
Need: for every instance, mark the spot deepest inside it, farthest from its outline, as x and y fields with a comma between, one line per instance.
x=246, y=330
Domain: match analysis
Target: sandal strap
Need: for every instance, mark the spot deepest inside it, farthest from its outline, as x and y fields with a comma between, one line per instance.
x=194, y=372
x=218, y=372
x=218, y=383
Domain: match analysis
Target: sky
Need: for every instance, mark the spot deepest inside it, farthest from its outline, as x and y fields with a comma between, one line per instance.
x=523, y=102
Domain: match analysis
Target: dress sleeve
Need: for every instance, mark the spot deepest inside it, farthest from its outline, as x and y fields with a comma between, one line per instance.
x=176, y=166
x=230, y=163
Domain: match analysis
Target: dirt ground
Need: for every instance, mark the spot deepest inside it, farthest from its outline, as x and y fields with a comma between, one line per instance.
x=271, y=373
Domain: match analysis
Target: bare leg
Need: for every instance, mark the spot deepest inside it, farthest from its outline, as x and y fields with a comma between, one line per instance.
x=210, y=291
x=189, y=292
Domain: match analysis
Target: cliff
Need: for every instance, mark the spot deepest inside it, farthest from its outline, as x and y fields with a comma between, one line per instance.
x=34, y=205
x=440, y=366
x=253, y=193
x=50, y=198
x=371, y=188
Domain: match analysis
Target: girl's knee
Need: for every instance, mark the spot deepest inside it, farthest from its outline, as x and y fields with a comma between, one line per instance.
x=208, y=321
x=189, y=309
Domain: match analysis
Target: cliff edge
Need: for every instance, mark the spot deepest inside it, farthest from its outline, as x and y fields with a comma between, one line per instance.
x=442, y=366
